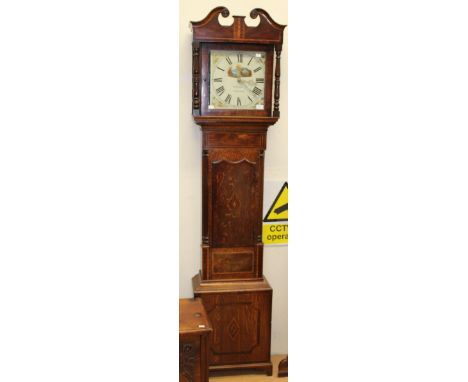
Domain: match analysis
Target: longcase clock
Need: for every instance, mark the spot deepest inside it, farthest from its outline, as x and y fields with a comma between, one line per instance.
x=236, y=84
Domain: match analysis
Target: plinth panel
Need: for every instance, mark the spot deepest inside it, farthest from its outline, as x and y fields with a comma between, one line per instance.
x=235, y=263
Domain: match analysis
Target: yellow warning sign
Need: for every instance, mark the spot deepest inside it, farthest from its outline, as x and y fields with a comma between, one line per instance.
x=275, y=226
x=279, y=209
x=275, y=233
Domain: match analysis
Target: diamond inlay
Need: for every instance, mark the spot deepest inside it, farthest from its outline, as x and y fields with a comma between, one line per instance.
x=234, y=203
x=233, y=328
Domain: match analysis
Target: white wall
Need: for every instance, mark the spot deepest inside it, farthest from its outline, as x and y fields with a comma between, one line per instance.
x=276, y=163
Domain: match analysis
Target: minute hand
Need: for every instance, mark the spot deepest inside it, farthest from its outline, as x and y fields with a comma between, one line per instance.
x=239, y=80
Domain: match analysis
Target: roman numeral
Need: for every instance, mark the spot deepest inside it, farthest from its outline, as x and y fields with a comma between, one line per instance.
x=239, y=102
x=259, y=80
x=228, y=60
x=217, y=79
x=257, y=69
x=220, y=68
x=251, y=58
x=220, y=90
x=239, y=57
x=256, y=90
x=228, y=99
x=251, y=100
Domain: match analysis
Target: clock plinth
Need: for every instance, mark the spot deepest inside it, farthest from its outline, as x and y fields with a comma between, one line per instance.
x=233, y=103
x=240, y=313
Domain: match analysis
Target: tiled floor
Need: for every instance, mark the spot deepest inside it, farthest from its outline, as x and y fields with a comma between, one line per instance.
x=255, y=377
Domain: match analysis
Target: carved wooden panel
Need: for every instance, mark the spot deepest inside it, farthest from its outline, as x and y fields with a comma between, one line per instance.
x=189, y=354
x=234, y=203
x=241, y=327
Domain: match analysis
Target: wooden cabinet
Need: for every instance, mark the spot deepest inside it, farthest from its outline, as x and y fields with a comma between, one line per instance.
x=194, y=331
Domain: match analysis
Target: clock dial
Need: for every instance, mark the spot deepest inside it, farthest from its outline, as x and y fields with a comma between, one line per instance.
x=237, y=80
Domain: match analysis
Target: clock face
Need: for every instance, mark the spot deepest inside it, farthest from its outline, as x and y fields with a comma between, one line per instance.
x=237, y=80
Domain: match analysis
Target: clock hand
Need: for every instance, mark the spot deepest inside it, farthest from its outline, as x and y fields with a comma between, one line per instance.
x=239, y=80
